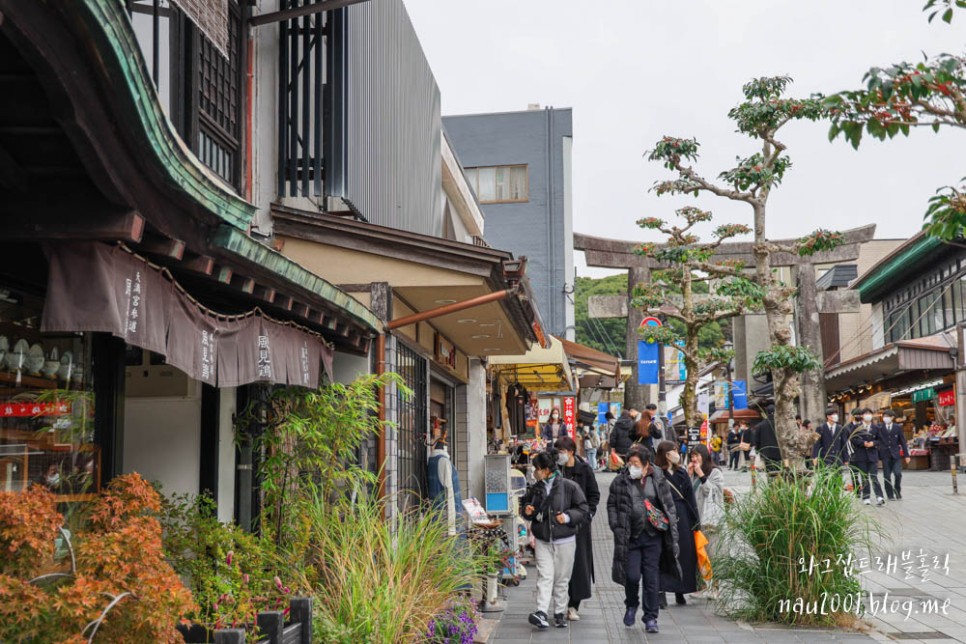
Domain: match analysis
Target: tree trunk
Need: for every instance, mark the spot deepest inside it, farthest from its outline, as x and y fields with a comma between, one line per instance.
x=689, y=399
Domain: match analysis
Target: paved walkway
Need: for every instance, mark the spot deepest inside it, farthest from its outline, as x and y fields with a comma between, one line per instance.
x=929, y=517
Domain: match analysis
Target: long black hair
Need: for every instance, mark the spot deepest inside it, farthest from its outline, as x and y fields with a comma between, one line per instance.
x=707, y=463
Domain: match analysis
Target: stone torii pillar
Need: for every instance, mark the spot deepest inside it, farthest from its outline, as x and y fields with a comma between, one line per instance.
x=601, y=252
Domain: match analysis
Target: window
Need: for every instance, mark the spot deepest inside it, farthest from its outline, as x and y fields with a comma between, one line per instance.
x=200, y=88
x=500, y=184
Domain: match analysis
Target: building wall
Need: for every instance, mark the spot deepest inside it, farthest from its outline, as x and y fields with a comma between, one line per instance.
x=162, y=441
x=393, y=130
x=542, y=227
x=226, y=453
x=857, y=330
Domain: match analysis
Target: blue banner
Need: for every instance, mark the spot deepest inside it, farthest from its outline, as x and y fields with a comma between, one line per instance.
x=602, y=409
x=739, y=394
x=647, y=359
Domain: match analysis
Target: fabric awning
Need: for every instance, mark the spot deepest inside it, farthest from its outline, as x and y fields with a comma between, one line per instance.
x=931, y=353
x=101, y=288
x=538, y=369
x=721, y=415
x=591, y=360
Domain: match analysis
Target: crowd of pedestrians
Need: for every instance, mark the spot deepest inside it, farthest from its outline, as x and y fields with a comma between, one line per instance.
x=667, y=502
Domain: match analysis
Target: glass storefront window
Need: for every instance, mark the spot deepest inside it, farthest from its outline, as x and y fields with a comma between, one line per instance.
x=46, y=405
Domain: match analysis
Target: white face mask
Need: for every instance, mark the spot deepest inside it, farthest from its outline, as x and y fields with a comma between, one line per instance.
x=562, y=458
x=867, y=418
x=887, y=420
x=835, y=418
x=673, y=458
x=635, y=472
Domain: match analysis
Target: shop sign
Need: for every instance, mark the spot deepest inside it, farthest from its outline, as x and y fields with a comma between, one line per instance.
x=569, y=411
x=32, y=410
x=445, y=352
x=946, y=398
x=923, y=395
x=647, y=356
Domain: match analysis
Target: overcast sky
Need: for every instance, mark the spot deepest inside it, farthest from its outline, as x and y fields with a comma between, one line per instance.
x=635, y=70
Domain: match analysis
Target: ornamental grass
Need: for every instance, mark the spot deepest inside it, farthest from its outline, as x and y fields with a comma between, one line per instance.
x=786, y=552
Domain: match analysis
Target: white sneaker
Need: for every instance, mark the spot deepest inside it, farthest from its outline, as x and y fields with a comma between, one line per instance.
x=572, y=614
x=880, y=501
x=867, y=501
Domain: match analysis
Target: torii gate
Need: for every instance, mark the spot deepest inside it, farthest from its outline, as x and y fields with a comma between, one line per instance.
x=616, y=253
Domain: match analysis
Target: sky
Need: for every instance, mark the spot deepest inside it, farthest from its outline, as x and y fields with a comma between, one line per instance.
x=636, y=70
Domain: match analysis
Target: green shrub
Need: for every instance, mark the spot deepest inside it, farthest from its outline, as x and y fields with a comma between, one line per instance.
x=788, y=524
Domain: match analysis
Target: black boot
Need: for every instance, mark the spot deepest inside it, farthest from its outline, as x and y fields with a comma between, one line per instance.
x=679, y=599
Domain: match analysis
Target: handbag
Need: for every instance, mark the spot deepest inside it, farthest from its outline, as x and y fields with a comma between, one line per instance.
x=704, y=561
x=614, y=461
x=656, y=516
x=713, y=511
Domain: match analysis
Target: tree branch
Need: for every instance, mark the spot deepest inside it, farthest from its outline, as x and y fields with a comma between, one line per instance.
x=100, y=620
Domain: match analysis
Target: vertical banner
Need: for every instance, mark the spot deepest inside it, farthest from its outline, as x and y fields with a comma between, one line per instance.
x=739, y=394
x=569, y=414
x=602, y=409
x=647, y=362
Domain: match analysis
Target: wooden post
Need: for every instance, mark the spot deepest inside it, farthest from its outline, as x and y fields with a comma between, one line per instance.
x=270, y=624
x=230, y=636
x=301, y=613
x=952, y=470
x=754, y=475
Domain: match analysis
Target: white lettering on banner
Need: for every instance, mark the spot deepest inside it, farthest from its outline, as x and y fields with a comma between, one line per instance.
x=264, y=360
x=133, y=292
x=306, y=370
x=206, y=361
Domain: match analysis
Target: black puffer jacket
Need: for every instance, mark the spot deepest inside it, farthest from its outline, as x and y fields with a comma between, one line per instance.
x=622, y=436
x=619, y=509
x=565, y=496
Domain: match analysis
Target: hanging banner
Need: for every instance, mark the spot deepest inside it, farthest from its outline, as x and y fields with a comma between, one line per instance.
x=739, y=394
x=100, y=288
x=647, y=362
x=569, y=418
x=946, y=398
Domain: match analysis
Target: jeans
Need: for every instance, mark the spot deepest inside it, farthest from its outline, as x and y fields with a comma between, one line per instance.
x=733, y=459
x=892, y=468
x=555, y=563
x=869, y=473
x=592, y=457
x=644, y=563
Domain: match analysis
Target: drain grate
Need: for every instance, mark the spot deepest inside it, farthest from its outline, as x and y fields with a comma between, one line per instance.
x=921, y=635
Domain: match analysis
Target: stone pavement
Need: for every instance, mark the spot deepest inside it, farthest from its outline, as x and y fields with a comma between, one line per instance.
x=928, y=517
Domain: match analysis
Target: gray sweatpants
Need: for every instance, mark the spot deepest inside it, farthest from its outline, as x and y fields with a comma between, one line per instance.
x=555, y=563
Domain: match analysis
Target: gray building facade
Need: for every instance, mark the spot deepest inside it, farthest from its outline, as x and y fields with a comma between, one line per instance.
x=519, y=163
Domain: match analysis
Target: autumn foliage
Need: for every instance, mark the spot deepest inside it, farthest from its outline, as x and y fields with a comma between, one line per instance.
x=113, y=583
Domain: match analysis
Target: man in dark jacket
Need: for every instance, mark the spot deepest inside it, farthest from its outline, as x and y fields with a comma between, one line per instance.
x=864, y=444
x=892, y=450
x=556, y=509
x=766, y=441
x=641, y=552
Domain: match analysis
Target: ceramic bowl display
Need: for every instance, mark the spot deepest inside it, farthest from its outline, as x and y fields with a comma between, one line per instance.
x=17, y=358
x=51, y=367
x=35, y=359
x=4, y=343
x=65, y=371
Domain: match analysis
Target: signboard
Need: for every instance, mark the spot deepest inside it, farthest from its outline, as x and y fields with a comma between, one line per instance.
x=923, y=395
x=739, y=394
x=569, y=414
x=602, y=409
x=704, y=402
x=694, y=436
x=648, y=357
x=946, y=398
x=675, y=371
x=720, y=394
x=704, y=431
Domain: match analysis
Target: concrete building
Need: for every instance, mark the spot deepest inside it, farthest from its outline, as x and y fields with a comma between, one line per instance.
x=519, y=164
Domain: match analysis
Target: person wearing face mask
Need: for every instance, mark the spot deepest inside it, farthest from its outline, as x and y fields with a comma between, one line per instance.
x=576, y=469
x=553, y=426
x=824, y=450
x=556, y=509
x=892, y=449
x=642, y=515
x=686, y=507
x=864, y=442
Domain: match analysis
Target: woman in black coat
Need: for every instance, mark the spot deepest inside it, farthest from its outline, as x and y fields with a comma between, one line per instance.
x=641, y=552
x=668, y=458
x=579, y=471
